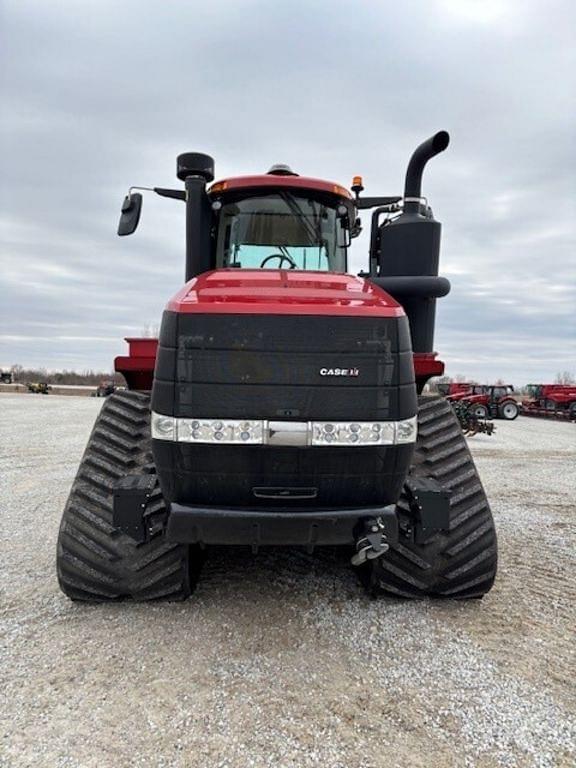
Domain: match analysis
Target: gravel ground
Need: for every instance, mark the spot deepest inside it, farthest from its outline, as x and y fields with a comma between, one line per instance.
x=280, y=659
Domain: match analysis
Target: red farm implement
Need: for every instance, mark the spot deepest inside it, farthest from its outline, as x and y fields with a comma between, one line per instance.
x=553, y=401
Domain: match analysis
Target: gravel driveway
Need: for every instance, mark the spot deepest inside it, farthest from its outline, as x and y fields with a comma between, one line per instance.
x=280, y=659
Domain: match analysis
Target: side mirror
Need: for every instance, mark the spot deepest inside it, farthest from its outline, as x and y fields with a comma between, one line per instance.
x=130, y=216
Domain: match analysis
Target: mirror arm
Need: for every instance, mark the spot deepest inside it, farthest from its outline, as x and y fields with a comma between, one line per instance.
x=176, y=194
x=372, y=202
x=143, y=189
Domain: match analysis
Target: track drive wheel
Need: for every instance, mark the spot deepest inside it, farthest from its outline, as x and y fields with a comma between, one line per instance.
x=460, y=562
x=95, y=561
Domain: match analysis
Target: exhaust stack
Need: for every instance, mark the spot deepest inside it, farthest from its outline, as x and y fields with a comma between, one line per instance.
x=407, y=251
x=413, y=184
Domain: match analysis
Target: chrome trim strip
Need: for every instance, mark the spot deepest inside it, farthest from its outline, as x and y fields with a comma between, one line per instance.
x=287, y=433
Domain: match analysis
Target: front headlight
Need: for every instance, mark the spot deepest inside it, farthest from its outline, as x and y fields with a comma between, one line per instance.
x=407, y=430
x=220, y=431
x=260, y=432
x=163, y=427
x=352, y=433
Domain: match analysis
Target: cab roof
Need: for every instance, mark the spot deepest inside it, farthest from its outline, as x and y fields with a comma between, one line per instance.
x=278, y=181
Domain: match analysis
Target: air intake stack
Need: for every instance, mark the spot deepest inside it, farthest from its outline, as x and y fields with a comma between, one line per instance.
x=196, y=170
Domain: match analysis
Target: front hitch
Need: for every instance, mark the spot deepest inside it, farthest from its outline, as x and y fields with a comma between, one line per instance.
x=376, y=535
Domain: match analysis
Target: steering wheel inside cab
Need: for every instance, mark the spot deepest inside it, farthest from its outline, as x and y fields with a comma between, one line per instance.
x=282, y=257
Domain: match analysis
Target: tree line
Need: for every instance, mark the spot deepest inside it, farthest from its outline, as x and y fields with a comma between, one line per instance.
x=22, y=375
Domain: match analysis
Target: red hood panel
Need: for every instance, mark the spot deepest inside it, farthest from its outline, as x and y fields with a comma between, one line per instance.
x=283, y=292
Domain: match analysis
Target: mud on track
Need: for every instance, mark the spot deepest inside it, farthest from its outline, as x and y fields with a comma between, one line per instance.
x=280, y=660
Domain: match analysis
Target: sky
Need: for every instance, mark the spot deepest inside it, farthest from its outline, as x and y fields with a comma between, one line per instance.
x=97, y=96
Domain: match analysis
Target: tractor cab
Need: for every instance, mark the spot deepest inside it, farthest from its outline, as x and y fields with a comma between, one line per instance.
x=534, y=392
x=280, y=221
x=281, y=229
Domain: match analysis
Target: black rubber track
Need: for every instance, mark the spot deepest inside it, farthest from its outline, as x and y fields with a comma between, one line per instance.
x=96, y=562
x=462, y=562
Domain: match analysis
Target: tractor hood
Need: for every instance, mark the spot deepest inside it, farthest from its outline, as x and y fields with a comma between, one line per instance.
x=283, y=292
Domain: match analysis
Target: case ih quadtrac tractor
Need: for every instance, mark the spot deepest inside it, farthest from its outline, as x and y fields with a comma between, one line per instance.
x=282, y=403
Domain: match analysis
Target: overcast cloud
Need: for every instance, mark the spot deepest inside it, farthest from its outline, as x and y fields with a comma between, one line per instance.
x=100, y=95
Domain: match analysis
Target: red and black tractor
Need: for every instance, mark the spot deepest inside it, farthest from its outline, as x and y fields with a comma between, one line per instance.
x=483, y=401
x=282, y=403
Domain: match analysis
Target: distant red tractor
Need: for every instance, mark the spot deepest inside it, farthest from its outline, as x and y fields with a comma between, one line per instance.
x=487, y=401
x=550, y=399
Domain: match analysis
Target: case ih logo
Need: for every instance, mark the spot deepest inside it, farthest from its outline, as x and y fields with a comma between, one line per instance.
x=339, y=372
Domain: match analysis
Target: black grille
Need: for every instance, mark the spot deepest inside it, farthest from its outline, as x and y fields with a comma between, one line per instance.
x=254, y=366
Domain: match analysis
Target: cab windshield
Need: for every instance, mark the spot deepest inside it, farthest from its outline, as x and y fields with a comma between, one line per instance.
x=281, y=230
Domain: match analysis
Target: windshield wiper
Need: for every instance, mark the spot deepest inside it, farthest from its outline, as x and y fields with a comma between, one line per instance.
x=313, y=232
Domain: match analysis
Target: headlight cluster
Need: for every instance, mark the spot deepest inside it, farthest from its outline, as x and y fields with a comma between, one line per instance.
x=219, y=431
x=407, y=430
x=256, y=432
x=353, y=433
